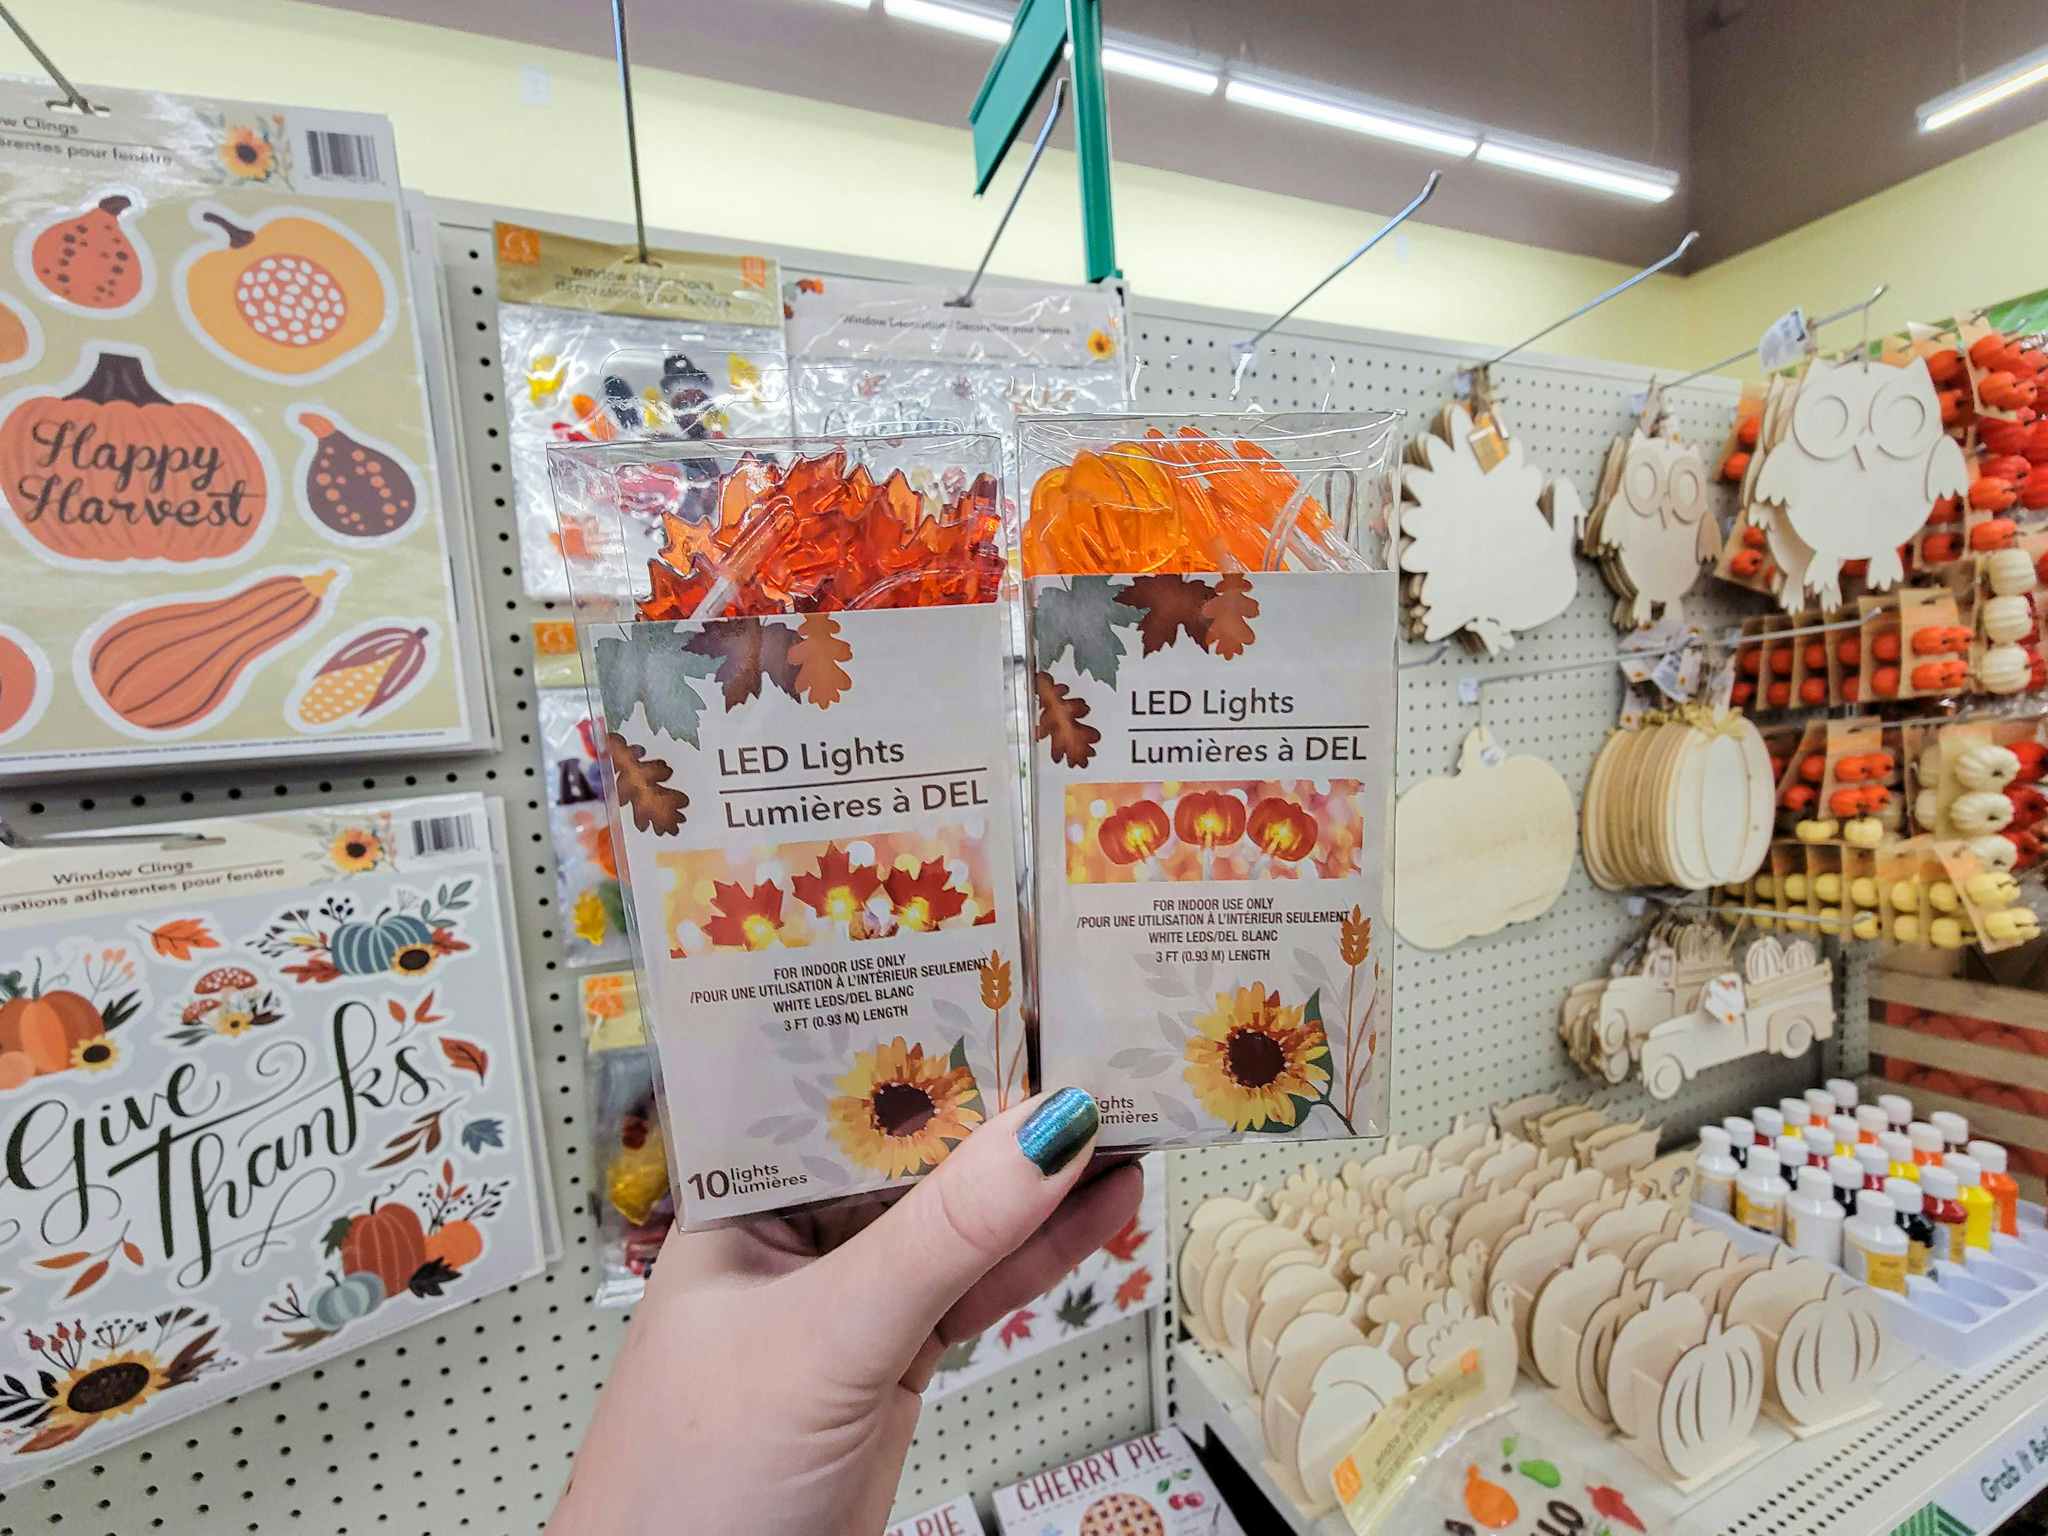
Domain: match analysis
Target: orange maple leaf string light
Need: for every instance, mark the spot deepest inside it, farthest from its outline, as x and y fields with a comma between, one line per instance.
x=836, y=890
x=925, y=899
x=745, y=919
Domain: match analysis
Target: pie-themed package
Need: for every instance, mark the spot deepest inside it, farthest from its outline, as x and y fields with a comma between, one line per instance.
x=809, y=735
x=955, y=1517
x=1151, y=1486
x=1212, y=705
x=270, y=1087
x=220, y=343
x=635, y=1212
x=600, y=347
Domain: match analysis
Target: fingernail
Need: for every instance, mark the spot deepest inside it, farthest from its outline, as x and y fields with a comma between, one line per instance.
x=1059, y=1128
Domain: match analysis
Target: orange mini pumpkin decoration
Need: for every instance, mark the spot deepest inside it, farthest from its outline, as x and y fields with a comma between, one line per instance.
x=286, y=296
x=45, y=1027
x=1283, y=829
x=118, y=471
x=1133, y=833
x=457, y=1243
x=89, y=259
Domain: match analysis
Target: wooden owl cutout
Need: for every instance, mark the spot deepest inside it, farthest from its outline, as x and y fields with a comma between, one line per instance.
x=1861, y=466
x=1658, y=529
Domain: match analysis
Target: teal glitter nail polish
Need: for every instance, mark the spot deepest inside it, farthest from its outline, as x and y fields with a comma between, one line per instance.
x=1059, y=1128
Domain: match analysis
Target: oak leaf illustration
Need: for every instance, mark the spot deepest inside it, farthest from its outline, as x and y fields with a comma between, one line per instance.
x=1230, y=613
x=466, y=1056
x=1126, y=1241
x=817, y=655
x=1132, y=1292
x=748, y=650
x=1083, y=617
x=643, y=787
x=1172, y=606
x=1062, y=722
x=176, y=939
x=649, y=669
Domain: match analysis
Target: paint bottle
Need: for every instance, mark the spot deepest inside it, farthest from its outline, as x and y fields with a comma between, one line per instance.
x=1741, y=1137
x=1796, y=1117
x=1760, y=1202
x=1843, y=1092
x=1927, y=1144
x=1899, y=1148
x=1955, y=1131
x=1938, y=1190
x=2003, y=1189
x=1898, y=1110
x=1873, y=1247
x=1792, y=1157
x=1875, y=1166
x=1870, y=1124
x=1843, y=1129
x=1820, y=1107
x=1813, y=1222
x=1845, y=1176
x=1770, y=1125
x=1820, y=1146
x=1716, y=1170
x=1908, y=1198
x=1980, y=1211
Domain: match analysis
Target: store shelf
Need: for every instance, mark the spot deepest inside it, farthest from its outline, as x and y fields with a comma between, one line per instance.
x=1974, y=1446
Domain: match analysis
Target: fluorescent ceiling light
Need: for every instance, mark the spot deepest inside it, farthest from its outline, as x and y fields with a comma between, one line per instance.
x=950, y=18
x=1145, y=66
x=1648, y=185
x=1374, y=124
x=1984, y=91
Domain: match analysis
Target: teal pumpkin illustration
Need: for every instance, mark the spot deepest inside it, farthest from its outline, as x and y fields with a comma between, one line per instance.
x=346, y=1300
x=390, y=941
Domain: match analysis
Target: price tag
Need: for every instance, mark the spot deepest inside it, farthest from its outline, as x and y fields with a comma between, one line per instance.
x=1468, y=690
x=1785, y=342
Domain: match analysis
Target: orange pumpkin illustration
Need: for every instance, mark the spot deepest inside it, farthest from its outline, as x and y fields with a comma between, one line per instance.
x=388, y=1243
x=21, y=339
x=287, y=296
x=457, y=1243
x=46, y=1027
x=90, y=260
x=117, y=470
x=24, y=683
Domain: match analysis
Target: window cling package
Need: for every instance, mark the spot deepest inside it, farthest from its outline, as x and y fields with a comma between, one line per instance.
x=598, y=348
x=808, y=732
x=632, y=1204
x=591, y=918
x=1213, y=709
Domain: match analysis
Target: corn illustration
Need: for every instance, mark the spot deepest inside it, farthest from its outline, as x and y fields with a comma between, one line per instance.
x=364, y=675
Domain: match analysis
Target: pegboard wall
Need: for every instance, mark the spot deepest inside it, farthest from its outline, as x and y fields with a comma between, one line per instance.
x=469, y=1422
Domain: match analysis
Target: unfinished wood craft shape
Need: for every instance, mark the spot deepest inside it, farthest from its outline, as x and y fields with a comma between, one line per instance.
x=1522, y=1265
x=1683, y=1260
x=1235, y=1274
x=1656, y=531
x=1205, y=1314
x=1511, y=1159
x=1861, y=467
x=1715, y=1287
x=1282, y=1299
x=1205, y=1223
x=1621, y=1230
x=1488, y=846
x=1490, y=1220
x=1563, y=1308
x=1825, y=1363
x=1347, y=1393
x=1399, y=1305
x=1513, y=1117
x=1492, y=559
x=1241, y=1293
x=1428, y=1189
x=1448, y=1328
x=1596, y=1343
x=1708, y=1407
x=1566, y=1195
x=1645, y=1349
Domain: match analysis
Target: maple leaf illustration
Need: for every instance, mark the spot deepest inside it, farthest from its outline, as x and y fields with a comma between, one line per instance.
x=746, y=919
x=1132, y=1292
x=1229, y=614
x=816, y=656
x=1061, y=721
x=926, y=899
x=1077, y=1309
x=1126, y=1241
x=1083, y=617
x=748, y=651
x=643, y=787
x=649, y=670
x=1018, y=1328
x=1172, y=605
x=836, y=889
x=176, y=939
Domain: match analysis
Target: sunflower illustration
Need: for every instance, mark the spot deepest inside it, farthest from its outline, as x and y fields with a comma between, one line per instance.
x=95, y=1055
x=354, y=850
x=901, y=1111
x=246, y=153
x=234, y=1022
x=1257, y=1063
x=1101, y=344
x=107, y=1388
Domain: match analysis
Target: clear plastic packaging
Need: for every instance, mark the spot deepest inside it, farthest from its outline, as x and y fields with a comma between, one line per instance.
x=633, y=1205
x=809, y=729
x=1212, y=704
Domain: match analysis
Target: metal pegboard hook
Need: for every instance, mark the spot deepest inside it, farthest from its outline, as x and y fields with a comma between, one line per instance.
x=71, y=92
x=1594, y=303
x=1428, y=191
x=1052, y=116
x=632, y=134
x=1813, y=325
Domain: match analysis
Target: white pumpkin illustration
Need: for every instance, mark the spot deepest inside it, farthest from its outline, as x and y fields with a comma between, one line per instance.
x=1491, y=559
x=1658, y=527
x=1862, y=466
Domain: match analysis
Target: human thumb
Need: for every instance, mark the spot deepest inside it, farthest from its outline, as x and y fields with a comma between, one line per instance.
x=904, y=1272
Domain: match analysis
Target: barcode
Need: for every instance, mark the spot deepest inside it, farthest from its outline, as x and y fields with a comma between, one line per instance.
x=342, y=156
x=443, y=834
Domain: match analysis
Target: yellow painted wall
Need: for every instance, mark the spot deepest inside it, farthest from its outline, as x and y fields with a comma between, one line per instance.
x=753, y=165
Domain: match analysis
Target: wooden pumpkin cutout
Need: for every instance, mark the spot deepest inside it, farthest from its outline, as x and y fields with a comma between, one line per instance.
x=1468, y=1274
x=1614, y=1199
x=1241, y=1295
x=1568, y=1194
x=1487, y=846
x=1621, y=1230
x=1489, y=1220
x=1282, y=1299
x=1301, y=1348
x=1546, y=1172
x=1348, y=1392
x=1715, y=1287
x=1588, y=1399
x=1235, y=1274
x=1678, y=1263
x=1428, y=1189
x=1558, y=1137
x=1394, y=1160
x=1708, y=1407
x=1463, y=1136
x=1825, y=1363
x=1673, y=1228
x=1620, y=1158
x=1655, y=530
x=1563, y=1307
x=1506, y=1163
x=1670, y=1177
x=1513, y=1117
x=1522, y=1265
x=1205, y=1223
x=1645, y=1349
x=1206, y=1325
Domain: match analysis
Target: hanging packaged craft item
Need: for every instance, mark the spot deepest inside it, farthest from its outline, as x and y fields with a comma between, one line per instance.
x=307, y=1024
x=1212, y=768
x=1151, y=1486
x=1486, y=537
x=808, y=721
x=635, y=1210
x=216, y=463
x=589, y=907
x=1684, y=799
x=1653, y=527
x=867, y=356
x=600, y=347
x=955, y=1517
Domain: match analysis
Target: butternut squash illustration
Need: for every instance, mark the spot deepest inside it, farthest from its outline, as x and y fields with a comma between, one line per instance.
x=284, y=296
x=89, y=259
x=171, y=665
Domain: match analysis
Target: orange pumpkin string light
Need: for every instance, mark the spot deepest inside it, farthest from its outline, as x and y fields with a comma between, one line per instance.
x=1133, y=834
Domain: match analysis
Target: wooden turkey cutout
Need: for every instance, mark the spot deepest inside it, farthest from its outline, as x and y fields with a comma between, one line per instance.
x=1492, y=560
x=1658, y=529
x=1861, y=466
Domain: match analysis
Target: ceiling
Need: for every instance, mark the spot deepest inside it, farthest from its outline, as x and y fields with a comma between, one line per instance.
x=1774, y=112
